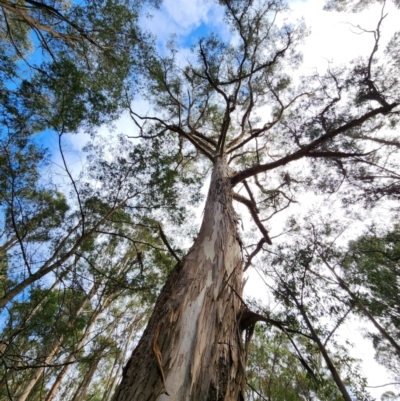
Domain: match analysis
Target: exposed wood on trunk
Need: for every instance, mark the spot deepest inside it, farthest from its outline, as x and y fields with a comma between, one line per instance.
x=200, y=338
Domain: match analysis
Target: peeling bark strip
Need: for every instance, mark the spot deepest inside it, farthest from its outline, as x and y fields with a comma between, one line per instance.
x=196, y=313
x=158, y=356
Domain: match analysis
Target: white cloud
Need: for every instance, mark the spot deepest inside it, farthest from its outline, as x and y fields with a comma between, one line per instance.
x=181, y=17
x=334, y=39
x=188, y=14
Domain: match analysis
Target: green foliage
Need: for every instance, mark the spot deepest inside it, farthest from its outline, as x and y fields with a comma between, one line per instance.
x=86, y=65
x=99, y=228
x=275, y=372
x=54, y=317
x=371, y=265
x=352, y=5
x=373, y=262
x=390, y=396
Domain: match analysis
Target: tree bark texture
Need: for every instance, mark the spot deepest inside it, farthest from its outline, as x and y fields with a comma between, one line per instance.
x=195, y=324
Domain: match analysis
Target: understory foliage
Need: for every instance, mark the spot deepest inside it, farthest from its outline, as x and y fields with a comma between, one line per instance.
x=86, y=250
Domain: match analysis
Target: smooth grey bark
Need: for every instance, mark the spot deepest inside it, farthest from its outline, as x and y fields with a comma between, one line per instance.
x=197, y=315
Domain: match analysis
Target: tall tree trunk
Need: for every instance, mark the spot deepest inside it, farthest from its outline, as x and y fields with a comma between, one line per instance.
x=195, y=327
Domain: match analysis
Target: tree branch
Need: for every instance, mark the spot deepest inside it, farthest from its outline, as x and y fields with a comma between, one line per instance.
x=305, y=151
x=253, y=212
x=165, y=240
x=254, y=253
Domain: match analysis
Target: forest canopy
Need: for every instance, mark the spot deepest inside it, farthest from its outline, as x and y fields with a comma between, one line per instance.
x=146, y=177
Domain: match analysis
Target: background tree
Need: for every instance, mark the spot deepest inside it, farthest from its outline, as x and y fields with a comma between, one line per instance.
x=123, y=258
x=67, y=67
x=339, y=280
x=275, y=371
x=367, y=270
x=91, y=47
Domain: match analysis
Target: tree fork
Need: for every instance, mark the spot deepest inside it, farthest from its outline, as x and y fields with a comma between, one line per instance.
x=196, y=313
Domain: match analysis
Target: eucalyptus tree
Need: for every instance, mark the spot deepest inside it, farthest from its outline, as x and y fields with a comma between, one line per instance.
x=276, y=372
x=112, y=279
x=64, y=67
x=322, y=280
x=105, y=235
x=128, y=285
x=367, y=271
x=27, y=354
x=372, y=263
x=54, y=345
x=313, y=304
x=91, y=47
x=353, y=5
x=233, y=108
x=72, y=229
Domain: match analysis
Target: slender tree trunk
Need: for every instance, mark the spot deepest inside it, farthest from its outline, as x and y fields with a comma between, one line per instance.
x=363, y=309
x=111, y=384
x=335, y=374
x=56, y=346
x=31, y=314
x=382, y=331
x=118, y=363
x=38, y=372
x=57, y=382
x=195, y=324
x=11, y=336
x=385, y=334
x=80, y=393
x=25, y=283
x=72, y=356
x=53, y=263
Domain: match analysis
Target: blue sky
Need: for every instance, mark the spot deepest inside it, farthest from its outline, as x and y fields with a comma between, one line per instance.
x=186, y=22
